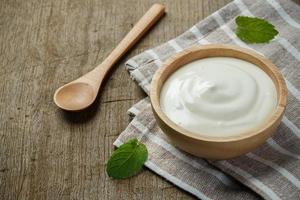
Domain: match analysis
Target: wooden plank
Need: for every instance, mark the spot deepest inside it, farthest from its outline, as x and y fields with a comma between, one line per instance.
x=46, y=153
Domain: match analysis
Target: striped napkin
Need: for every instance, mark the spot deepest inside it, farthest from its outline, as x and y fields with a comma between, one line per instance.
x=273, y=170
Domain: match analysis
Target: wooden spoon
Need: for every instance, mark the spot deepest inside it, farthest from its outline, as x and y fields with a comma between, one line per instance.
x=81, y=93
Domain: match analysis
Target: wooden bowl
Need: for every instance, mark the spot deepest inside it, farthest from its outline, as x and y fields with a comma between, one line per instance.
x=217, y=147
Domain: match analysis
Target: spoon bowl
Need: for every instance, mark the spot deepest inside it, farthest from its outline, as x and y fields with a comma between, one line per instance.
x=75, y=96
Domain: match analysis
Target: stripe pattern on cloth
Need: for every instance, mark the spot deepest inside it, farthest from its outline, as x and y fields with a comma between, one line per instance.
x=271, y=171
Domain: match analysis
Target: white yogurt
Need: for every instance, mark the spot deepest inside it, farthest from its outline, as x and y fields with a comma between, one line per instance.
x=219, y=96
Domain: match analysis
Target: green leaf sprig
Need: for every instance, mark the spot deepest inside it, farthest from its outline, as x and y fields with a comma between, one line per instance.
x=254, y=30
x=127, y=160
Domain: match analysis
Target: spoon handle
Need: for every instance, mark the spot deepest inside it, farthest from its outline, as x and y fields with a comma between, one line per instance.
x=140, y=28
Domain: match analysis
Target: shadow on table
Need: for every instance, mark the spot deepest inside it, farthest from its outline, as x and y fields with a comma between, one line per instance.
x=82, y=116
x=87, y=114
x=296, y=1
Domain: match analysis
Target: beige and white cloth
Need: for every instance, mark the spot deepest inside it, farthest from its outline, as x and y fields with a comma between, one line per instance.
x=273, y=170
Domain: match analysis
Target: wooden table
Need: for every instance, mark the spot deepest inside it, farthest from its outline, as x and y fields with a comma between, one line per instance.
x=46, y=153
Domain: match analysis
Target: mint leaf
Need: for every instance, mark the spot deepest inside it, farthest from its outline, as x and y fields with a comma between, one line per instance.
x=127, y=160
x=254, y=30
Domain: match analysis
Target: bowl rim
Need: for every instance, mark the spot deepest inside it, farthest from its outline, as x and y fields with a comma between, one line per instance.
x=281, y=89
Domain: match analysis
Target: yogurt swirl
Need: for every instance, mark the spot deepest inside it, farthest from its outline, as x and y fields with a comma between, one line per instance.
x=219, y=96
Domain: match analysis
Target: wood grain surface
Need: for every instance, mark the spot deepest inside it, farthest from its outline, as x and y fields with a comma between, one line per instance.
x=46, y=153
